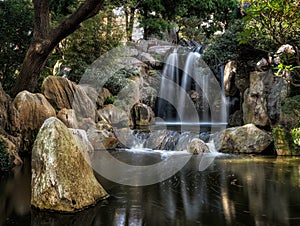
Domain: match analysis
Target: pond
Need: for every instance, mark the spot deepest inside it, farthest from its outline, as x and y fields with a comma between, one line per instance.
x=233, y=190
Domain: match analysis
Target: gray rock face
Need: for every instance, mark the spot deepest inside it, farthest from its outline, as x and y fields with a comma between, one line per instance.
x=255, y=99
x=279, y=92
x=62, y=179
x=243, y=139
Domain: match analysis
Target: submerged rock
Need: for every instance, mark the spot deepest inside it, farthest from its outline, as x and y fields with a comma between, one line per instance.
x=243, y=139
x=62, y=179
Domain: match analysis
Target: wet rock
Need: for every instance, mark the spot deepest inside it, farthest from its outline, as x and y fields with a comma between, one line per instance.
x=68, y=117
x=141, y=115
x=243, y=139
x=255, y=98
x=197, y=146
x=62, y=179
x=33, y=110
x=63, y=93
x=236, y=119
x=162, y=140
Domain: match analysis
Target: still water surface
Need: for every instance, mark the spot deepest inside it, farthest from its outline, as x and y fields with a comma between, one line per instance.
x=233, y=190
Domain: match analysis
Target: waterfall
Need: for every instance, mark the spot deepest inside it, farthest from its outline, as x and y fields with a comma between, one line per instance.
x=189, y=93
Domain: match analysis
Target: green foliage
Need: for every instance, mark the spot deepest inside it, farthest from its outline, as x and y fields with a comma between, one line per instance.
x=223, y=48
x=296, y=136
x=85, y=45
x=109, y=100
x=271, y=23
x=16, y=26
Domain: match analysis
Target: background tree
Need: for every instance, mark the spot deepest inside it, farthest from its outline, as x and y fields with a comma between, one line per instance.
x=15, y=34
x=47, y=36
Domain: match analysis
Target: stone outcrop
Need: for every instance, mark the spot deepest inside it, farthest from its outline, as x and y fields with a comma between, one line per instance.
x=33, y=110
x=255, y=99
x=63, y=93
x=278, y=93
x=243, y=139
x=62, y=179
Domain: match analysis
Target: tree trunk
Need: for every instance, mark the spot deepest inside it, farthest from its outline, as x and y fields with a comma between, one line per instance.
x=45, y=39
x=32, y=66
x=129, y=15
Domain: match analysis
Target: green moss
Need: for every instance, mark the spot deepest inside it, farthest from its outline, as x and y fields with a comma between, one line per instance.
x=109, y=100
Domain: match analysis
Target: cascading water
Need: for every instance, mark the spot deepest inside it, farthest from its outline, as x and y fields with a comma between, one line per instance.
x=188, y=88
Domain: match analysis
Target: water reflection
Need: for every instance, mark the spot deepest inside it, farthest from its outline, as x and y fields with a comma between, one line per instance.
x=232, y=191
x=15, y=192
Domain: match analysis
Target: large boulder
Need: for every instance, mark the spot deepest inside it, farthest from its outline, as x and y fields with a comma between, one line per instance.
x=62, y=179
x=63, y=93
x=243, y=139
x=33, y=110
x=255, y=98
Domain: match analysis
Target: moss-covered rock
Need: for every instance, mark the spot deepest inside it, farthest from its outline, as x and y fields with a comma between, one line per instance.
x=290, y=112
x=286, y=143
x=62, y=178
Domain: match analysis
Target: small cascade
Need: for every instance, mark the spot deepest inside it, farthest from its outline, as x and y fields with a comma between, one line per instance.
x=189, y=93
x=168, y=90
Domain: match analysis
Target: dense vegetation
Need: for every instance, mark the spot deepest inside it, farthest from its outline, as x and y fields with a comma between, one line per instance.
x=229, y=28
